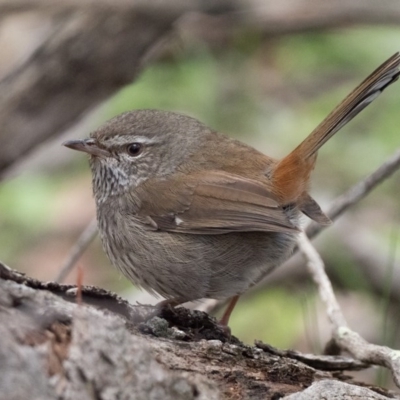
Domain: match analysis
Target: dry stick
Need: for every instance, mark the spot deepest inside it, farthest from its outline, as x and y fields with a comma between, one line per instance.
x=357, y=192
x=344, y=337
x=77, y=250
x=316, y=268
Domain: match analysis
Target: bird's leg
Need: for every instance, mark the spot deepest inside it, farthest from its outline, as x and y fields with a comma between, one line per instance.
x=225, y=318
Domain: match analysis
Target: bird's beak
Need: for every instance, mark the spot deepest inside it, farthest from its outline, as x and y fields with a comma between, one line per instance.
x=87, y=146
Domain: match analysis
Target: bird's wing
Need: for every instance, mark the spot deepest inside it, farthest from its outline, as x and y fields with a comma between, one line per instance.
x=310, y=207
x=212, y=203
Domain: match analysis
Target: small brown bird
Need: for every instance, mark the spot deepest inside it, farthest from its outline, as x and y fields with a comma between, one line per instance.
x=188, y=213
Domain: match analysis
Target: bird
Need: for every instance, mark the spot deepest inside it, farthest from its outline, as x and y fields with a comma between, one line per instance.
x=188, y=213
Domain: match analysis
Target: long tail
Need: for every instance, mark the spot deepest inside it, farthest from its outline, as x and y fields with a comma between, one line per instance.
x=355, y=102
x=292, y=173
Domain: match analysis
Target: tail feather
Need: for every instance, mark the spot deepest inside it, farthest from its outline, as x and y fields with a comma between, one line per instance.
x=291, y=174
x=354, y=103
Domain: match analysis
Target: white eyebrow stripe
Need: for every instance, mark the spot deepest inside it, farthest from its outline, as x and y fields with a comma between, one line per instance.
x=123, y=140
x=142, y=139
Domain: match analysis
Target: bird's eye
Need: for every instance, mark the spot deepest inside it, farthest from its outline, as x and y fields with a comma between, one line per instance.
x=134, y=149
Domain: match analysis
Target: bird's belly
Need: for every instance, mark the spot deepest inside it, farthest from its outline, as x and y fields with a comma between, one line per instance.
x=252, y=256
x=191, y=267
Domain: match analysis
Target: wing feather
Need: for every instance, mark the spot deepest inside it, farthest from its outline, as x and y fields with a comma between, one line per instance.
x=217, y=203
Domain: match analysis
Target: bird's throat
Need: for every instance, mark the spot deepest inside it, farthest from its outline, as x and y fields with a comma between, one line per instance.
x=108, y=181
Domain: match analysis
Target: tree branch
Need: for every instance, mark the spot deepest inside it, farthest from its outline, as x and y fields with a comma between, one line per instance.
x=52, y=347
x=343, y=336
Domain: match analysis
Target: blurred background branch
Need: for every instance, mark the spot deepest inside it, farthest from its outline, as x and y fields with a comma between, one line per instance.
x=61, y=80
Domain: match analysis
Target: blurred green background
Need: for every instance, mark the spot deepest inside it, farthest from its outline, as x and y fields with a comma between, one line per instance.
x=269, y=93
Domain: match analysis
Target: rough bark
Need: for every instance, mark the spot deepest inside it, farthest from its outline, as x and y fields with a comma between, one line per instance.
x=105, y=348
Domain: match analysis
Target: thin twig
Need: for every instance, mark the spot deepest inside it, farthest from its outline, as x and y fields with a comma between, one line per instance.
x=79, y=284
x=315, y=266
x=77, y=250
x=357, y=192
x=344, y=337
